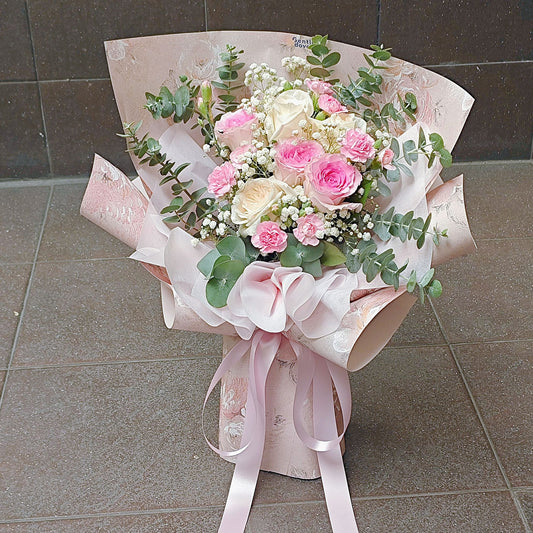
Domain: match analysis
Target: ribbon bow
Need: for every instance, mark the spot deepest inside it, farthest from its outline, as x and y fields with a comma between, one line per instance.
x=313, y=371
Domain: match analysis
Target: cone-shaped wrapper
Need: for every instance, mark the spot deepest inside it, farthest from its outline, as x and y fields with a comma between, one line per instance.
x=112, y=202
x=447, y=206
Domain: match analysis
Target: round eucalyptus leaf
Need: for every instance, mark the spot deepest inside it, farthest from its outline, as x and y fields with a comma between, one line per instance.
x=310, y=253
x=290, y=257
x=233, y=246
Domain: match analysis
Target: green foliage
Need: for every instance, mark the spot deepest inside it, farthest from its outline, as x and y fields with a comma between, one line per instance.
x=426, y=286
x=322, y=59
x=298, y=254
x=180, y=105
x=357, y=92
x=224, y=265
x=374, y=264
x=187, y=206
x=404, y=227
x=228, y=73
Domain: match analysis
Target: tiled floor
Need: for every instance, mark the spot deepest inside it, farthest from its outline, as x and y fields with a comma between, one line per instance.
x=100, y=412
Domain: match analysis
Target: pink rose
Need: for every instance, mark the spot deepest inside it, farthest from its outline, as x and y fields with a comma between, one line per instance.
x=269, y=237
x=319, y=87
x=237, y=155
x=221, y=180
x=307, y=229
x=329, y=180
x=358, y=146
x=293, y=156
x=235, y=128
x=385, y=158
x=329, y=104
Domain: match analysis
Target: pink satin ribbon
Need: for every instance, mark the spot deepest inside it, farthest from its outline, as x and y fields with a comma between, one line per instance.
x=313, y=371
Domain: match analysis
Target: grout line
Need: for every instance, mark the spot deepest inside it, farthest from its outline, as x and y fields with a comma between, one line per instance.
x=34, y=182
x=17, y=82
x=174, y=359
x=378, y=23
x=84, y=259
x=15, y=263
x=45, y=132
x=26, y=296
x=436, y=65
x=75, y=80
x=148, y=512
x=496, y=341
x=531, y=153
x=481, y=420
x=57, y=80
x=491, y=162
x=37, y=182
x=174, y=510
x=477, y=64
x=205, y=14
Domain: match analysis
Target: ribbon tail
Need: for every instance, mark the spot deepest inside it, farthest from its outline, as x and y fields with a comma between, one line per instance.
x=334, y=480
x=244, y=481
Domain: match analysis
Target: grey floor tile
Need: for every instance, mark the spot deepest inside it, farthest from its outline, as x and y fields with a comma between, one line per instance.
x=463, y=513
x=108, y=310
x=526, y=502
x=501, y=378
x=419, y=327
x=21, y=215
x=413, y=430
x=22, y=137
x=186, y=521
x=67, y=235
x=488, y=295
x=108, y=438
x=13, y=283
x=491, y=212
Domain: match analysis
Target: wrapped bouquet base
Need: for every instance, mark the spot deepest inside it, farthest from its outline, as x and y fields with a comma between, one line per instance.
x=291, y=334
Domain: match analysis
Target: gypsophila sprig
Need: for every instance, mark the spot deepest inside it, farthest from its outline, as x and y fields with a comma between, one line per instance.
x=303, y=163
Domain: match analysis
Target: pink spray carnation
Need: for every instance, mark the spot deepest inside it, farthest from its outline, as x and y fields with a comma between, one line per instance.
x=329, y=180
x=221, y=180
x=307, y=229
x=329, y=104
x=319, y=87
x=269, y=237
x=293, y=156
x=385, y=158
x=235, y=128
x=358, y=146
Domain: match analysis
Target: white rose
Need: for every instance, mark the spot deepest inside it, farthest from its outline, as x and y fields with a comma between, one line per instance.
x=254, y=200
x=288, y=110
x=346, y=121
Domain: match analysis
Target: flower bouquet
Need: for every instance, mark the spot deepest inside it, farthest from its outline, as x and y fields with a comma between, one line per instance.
x=289, y=199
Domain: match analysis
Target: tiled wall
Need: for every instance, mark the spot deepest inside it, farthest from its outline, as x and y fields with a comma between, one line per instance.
x=56, y=102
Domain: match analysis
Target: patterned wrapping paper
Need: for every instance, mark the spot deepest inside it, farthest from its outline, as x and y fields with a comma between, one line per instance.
x=121, y=208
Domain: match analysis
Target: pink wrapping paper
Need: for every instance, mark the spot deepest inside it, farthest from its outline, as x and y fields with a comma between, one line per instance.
x=375, y=311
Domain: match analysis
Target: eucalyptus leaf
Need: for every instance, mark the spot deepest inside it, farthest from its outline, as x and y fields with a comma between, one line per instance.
x=233, y=247
x=313, y=267
x=310, y=253
x=426, y=278
x=445, y=158
x=435, y=289
x=331, y=59
x=290, y=257
x=436, y=140
x=332, y=256
x=411, y=283
x=205, y=265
